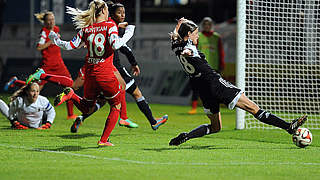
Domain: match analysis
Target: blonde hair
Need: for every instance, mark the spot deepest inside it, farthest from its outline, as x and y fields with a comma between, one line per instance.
x=42, y=16
x=85, y=18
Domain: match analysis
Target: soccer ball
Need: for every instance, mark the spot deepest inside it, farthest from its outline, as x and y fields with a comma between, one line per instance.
x=302, y=138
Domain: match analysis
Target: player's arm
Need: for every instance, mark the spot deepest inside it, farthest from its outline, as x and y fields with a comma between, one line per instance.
x=51, y=114
x=42, y=44
x=129, y=54
x=115, y=41
x=66, y=45
x=13, y=106
x=132, y=60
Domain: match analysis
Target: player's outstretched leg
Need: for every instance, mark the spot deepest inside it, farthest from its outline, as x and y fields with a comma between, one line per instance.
x=64, y=96
x=160, y=122
x=35, y=76
x=295, y=124
x=200, y=131
x=10, y=83
x=109, y=126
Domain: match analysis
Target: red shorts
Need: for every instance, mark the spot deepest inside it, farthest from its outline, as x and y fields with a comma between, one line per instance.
x=60, y=69
x=83, y=69
x=109, y=86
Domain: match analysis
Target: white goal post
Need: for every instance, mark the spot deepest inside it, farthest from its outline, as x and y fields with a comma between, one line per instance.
x=278, y=59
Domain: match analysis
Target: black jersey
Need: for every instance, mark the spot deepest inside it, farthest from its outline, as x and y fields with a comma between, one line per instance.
x=196, y=66
x=213, y=89
x=124, y=50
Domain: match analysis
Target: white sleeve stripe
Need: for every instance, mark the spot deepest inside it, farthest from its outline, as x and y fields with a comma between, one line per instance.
x=43, y=37
x=113, y=29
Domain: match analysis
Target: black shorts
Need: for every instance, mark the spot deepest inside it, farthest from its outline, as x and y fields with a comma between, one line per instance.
x=216, y=91
x=130, y=82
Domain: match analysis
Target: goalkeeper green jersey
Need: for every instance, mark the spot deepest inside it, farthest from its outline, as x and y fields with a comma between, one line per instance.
x=209, y=46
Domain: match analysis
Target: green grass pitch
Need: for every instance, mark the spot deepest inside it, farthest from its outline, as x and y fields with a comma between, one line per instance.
x=144, y=154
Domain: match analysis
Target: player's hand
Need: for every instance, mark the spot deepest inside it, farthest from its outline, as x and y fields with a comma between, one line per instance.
x=180, y=21
x=186, y=52
x=123, y=25
x=52, y=36
x=17, y=125
x=45, y=126
x=135, y=70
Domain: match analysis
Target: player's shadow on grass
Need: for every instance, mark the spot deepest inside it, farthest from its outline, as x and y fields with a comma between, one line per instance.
x=78, y=136
x=193, y=115
x=6, y=128
x=69, y=148
x=173, y=148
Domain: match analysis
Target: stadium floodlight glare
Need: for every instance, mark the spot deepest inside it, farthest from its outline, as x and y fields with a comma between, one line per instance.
x=278, y=59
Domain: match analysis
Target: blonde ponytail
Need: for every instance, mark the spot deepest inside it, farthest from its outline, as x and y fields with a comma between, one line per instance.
x=42, y=16
x=86, y=18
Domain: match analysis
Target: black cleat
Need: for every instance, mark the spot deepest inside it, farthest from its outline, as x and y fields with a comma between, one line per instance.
x=295, y=124
x=181, y=138
x=76, y=124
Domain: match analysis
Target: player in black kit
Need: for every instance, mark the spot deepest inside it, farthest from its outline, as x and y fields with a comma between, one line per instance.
x=117, y=13
x=213, y=89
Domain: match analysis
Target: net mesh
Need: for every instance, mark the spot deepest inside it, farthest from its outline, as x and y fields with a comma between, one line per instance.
x=282, y=72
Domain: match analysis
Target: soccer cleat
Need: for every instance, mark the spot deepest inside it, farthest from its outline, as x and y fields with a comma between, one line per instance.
x=181, y=138
x=295, y=124
x=127, y=123
x=10, y=83
x=193, y=111
x=64, y=96
x=35, y=76
x=73, y=117
x=102, y=144
x=76, y=124
x=160, y=122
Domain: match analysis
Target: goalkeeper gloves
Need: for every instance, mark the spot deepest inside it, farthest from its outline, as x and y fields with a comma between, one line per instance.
x=17, y=125
x=47, y=125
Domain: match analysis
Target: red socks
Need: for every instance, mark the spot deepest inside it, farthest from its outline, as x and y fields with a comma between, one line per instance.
x=19, y=83
x=80, y=103
x=123, y=109
x=60, y=80
x=194, y=104
x=110, y=123
x=70, y=108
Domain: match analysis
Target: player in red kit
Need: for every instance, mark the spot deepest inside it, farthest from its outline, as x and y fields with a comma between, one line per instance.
x=101, y=38
x=52, y=62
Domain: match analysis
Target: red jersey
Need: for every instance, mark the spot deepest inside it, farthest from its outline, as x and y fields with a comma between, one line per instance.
x=51, y=56
x=99, y=60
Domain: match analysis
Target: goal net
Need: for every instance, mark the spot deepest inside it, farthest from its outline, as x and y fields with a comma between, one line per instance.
x=278, y=59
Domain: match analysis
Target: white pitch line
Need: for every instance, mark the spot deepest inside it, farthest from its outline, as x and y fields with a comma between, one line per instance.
x=160, y=163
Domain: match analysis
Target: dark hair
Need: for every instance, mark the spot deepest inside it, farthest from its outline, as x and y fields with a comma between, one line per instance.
x=185, y=27
x=113, y=7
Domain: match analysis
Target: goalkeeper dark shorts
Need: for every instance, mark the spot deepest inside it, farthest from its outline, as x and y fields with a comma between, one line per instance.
x=216, y=91
x=130, y=82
